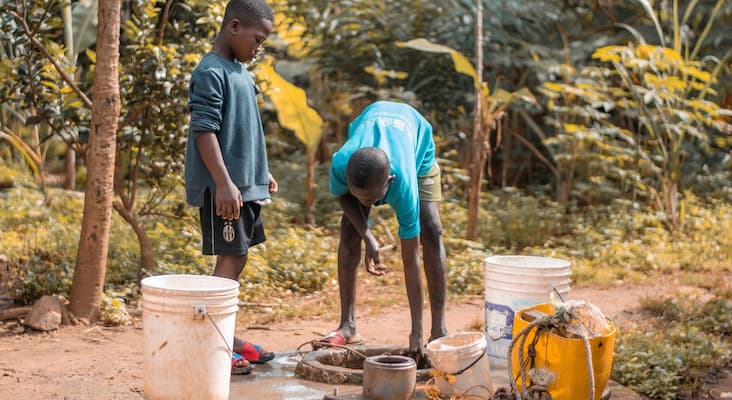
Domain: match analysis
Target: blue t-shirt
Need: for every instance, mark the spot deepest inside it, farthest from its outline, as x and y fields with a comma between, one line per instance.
x=406, y=137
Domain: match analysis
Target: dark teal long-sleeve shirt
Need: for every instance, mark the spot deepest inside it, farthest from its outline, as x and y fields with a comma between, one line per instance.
x=222, y=100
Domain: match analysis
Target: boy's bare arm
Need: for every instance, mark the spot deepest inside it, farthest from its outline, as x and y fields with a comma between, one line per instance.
x=228, y=196
x=353, y=211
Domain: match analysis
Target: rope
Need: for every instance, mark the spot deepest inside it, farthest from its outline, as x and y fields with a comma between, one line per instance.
x=522, y=335
x=540, y=325
x=588, y=360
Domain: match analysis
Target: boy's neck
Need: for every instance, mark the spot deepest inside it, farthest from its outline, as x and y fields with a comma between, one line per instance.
x=222, y=49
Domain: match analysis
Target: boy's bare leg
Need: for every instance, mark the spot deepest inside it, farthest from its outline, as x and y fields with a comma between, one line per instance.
x=413, y=282
x=349, y=256
x=433, y=253
x=230, y=267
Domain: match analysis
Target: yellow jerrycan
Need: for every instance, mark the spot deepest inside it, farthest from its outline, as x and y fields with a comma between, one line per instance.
x=544, y=360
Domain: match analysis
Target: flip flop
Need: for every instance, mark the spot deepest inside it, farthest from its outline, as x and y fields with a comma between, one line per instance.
x=237, y=368
x=336, y=338
x=254, y=353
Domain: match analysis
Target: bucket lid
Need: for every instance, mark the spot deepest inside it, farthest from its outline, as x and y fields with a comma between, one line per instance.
x=528, y=262
x=189, y=283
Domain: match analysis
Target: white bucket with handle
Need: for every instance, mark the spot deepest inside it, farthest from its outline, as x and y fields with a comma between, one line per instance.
x=462, y=365
x=188, y=330
x=512, y=283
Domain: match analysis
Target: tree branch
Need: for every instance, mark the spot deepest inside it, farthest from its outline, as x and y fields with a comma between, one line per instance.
x=164, y=21
x=536, y=152
x=53, y=61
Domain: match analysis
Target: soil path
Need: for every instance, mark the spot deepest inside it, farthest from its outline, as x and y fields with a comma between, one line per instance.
x=106, y=363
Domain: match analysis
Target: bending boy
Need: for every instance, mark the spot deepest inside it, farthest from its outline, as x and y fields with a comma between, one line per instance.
x=389, y=158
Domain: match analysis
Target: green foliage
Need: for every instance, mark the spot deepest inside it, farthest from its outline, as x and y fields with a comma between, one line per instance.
x=634, y=119
x=293, y=259
x=713, y=316
x=465, y=271
x=40, y=241
x=32, y=89
x=352, y=46
x=675, y=361
x=41, y=274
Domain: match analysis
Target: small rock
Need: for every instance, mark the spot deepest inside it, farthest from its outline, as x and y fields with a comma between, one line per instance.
x=45, y=314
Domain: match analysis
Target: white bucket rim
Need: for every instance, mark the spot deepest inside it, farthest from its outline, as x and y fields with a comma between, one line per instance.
x=562, y=291
x=522, y=280
x=528, y=262
x=219, y=284
x=545, y=283
x=475, y=336
x=521, y=277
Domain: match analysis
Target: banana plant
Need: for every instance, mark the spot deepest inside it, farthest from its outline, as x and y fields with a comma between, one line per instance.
x=294, y=113
x=489, y=113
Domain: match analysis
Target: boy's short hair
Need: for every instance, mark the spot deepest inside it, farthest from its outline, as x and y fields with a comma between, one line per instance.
x=367, y=167
x=249, y=12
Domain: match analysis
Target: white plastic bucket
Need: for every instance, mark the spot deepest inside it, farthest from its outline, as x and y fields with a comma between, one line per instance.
x=462, y=354
x=184, y=355
x=512, y=283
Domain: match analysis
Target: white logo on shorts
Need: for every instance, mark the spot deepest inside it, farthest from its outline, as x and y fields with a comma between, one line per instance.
x=229, y=233
x=428, y=181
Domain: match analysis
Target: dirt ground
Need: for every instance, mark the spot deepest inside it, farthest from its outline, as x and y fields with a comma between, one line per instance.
x=83, y=362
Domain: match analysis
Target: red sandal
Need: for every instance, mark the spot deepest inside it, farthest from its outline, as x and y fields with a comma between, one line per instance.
x=239, y=365
x=254, y=353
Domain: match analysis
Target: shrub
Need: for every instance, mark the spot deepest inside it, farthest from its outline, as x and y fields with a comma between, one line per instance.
x=39, y=275
x=676, y=361
x=294, y=259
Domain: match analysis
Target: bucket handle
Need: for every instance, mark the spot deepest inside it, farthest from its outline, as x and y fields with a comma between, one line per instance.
x=199, y=311
x=482, y=354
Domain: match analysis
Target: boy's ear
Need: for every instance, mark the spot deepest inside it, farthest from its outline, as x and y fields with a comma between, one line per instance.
x=234, y=25
x=391, y=179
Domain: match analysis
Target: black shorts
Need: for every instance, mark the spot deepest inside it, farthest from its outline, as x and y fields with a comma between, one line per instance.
x=230, y=238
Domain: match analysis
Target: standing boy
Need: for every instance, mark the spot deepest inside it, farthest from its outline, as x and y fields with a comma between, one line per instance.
x=226, y=169
x=389, y=158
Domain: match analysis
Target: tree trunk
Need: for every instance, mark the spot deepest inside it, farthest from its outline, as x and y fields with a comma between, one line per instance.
x=70, y=173
x=477, y=157
x=147, y=254
x=310, y=191
x=670, y=204
x=91, y=259
x=564, y=186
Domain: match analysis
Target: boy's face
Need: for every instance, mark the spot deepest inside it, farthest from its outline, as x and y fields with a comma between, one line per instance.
x=246, y=40
x=369, y=196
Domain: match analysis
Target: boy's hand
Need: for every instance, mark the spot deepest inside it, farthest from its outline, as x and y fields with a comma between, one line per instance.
x=376, y=269
x=273, y=186
x=228, y=201
x=371, y=256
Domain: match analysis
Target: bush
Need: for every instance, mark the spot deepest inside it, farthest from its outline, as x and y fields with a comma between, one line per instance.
x=39, y=275
x=676, y=361
x=295, y=259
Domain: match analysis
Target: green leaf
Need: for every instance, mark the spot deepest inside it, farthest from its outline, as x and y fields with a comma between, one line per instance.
x=293, y=111
x=462, y=64
x=92, y=55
